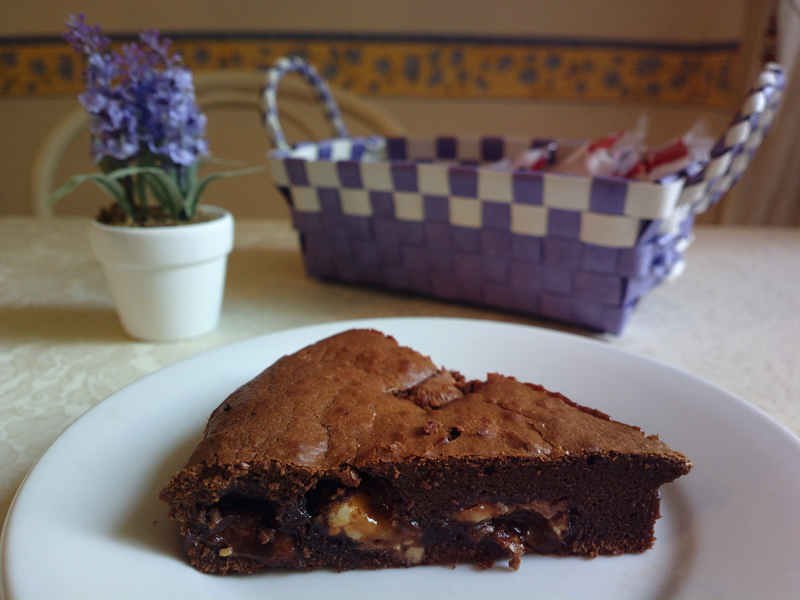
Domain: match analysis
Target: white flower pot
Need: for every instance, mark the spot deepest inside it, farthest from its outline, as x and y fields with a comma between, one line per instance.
x=167, y=282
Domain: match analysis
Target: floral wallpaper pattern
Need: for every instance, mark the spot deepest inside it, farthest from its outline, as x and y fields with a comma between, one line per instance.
x=433, y=67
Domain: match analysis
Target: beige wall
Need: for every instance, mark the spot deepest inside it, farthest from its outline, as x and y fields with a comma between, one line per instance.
x=665, y=20
x=234, y=134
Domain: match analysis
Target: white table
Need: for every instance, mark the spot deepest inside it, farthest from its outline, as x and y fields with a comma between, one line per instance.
x=733, y=318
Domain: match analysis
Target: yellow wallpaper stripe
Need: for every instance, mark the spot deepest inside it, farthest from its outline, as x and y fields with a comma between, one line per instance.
x=429, y=67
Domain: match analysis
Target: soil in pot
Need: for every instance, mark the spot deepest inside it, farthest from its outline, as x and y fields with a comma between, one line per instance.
x=155, y=216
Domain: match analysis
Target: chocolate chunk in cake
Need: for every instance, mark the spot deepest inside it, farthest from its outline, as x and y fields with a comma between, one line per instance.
x=356, y=452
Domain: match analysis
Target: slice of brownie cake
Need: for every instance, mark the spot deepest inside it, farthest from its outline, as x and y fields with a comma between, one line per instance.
x=358, y=453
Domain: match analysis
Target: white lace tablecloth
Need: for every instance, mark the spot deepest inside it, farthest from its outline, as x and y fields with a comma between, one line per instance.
x=733, y=318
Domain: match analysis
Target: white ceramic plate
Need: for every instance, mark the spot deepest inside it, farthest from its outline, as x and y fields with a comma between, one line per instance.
x=86, y=523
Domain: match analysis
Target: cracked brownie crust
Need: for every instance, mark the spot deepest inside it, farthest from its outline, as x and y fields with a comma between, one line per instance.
x=358, y=453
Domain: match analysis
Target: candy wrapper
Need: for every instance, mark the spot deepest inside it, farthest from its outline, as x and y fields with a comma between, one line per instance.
x=624, y=154
x=533, y=159
x=677, y=155
x=613, y=155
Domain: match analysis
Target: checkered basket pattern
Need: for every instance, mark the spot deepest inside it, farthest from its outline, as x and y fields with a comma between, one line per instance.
x=421, y=215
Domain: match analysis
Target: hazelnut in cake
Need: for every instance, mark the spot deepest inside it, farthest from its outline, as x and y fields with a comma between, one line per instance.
x=356, y=452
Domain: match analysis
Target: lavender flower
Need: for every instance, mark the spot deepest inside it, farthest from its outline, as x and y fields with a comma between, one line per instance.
x=173, y=121
x=141, y=98
x=83, y=37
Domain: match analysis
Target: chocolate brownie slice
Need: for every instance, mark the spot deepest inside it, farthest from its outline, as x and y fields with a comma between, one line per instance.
x=356, y=452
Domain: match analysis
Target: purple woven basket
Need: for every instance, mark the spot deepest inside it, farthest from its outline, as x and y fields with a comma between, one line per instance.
x=420, y=214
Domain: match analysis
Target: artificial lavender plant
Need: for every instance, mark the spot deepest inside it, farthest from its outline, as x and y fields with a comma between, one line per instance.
x=147, y=132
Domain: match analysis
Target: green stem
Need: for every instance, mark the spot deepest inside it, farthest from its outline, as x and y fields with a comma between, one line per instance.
x=130, y=197
x=141, y=192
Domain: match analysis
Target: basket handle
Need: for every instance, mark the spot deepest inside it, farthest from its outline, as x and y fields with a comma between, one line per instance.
x=739, y=141
x=295, y=64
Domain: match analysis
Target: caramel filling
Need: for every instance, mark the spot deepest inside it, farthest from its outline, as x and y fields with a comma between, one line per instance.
x=357, y=517
x=538, y=525
x=553, y=511
x=243, y=532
